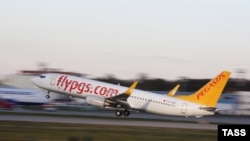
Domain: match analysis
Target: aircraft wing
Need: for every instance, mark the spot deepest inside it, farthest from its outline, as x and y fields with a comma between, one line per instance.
x=121, y=99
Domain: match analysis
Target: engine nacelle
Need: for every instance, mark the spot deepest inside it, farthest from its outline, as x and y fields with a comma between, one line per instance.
x=95, y=100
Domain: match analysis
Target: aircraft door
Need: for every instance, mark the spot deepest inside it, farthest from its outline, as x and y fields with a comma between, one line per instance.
x=53, y=79
x=184, y=108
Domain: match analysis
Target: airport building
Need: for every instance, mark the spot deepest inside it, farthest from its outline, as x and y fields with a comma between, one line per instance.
x=237, y=103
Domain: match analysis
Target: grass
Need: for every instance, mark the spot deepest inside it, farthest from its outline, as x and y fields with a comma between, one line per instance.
x=33, y=131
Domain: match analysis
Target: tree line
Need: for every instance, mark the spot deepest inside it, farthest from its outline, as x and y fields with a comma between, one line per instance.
x=186, y=85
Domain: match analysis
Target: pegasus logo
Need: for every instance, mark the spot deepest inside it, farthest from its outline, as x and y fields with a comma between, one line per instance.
x=209, y=86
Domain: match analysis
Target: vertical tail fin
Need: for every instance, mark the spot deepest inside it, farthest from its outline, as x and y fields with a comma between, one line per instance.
x=210, y=93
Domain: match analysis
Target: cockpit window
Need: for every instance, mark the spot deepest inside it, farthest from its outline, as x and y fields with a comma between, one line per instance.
x=42, y=76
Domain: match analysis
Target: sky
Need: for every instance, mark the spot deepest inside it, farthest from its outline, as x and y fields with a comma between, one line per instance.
x=125, y=38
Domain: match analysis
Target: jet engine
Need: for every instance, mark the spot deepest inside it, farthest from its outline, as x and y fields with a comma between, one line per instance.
x=96, y=101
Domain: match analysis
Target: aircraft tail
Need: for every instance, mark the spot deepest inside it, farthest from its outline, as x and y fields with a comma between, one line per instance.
x=210, y=93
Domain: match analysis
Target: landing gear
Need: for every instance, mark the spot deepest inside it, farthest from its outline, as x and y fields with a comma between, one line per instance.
x=48, y=96
x=126, y=112
x=120, y=113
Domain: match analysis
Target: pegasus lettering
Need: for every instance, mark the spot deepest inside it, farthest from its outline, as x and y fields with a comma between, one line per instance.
x=212, y=84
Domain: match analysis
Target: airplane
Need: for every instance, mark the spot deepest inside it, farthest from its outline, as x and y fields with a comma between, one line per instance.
x=124, y=99
x=18, y=96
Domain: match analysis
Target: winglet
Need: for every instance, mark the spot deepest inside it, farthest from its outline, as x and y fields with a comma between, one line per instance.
x=131, y=88
x=174, y=90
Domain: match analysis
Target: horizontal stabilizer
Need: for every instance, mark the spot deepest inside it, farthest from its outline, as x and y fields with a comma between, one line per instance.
x=210, y=109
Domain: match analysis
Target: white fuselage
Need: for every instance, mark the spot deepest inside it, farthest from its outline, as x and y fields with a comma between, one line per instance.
x=139, y=100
